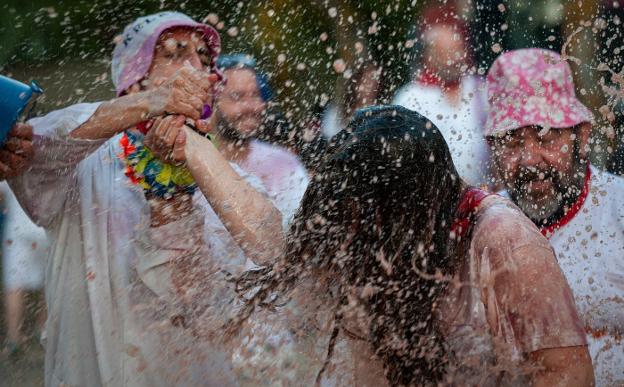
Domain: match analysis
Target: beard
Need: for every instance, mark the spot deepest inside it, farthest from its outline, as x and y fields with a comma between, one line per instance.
x=547, y=207
x=231, y=134
x=228, y=132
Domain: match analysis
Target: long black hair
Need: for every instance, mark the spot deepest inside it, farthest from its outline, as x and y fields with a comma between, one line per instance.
x=378, y=215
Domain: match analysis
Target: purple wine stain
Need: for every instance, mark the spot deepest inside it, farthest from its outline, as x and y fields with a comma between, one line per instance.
x=207, y=112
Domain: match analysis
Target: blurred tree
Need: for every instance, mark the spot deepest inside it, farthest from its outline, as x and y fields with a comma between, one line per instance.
x=307, y=49
x=295, y=42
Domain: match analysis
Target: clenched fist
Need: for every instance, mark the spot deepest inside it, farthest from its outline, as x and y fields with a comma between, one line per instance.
x=17, y=152
x=185, y=93
x=166, y=139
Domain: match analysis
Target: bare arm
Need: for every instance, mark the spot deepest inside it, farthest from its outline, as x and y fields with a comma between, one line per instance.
x=248, y=215
x=115, y=116
x=569, y=367
x=185, y=93
x=532, y=296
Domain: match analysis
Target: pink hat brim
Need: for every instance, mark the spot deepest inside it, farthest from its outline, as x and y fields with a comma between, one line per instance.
x=517, y=117
x=140, y=65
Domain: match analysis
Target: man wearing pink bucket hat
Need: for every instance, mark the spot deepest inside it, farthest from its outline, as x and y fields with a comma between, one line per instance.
x=540, y=137
x=93, y=183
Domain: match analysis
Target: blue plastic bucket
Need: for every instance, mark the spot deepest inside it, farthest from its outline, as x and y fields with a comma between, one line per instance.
x=16, y=101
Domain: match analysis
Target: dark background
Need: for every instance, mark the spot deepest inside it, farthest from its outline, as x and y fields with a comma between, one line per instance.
x=67, y=44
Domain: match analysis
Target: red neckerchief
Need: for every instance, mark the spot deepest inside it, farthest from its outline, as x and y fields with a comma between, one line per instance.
x=576, y=207
x=470, y=200
x=427, y=77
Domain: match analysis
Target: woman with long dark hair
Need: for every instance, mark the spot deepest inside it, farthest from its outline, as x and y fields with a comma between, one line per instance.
x=397, y=272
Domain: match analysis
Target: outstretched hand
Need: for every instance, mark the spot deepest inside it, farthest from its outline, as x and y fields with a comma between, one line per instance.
x=17, y=152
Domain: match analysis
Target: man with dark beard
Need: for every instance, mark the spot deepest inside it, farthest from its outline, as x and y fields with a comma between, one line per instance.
x=240, y=118
x=540, y=137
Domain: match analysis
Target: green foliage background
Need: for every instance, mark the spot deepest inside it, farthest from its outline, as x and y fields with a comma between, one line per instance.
x=67, y=44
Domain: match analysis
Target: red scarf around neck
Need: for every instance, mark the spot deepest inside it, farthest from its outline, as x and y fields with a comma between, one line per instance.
x=470, y=200
x=429, y=78
x=547, y=231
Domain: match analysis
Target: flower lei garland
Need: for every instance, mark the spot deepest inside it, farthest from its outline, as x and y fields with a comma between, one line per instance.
x=144, y=169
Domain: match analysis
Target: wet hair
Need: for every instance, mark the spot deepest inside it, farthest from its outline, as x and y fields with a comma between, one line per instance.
x=377, y=216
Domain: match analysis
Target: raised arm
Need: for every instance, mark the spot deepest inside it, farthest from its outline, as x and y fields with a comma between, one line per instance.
x=185, y=93
x=533, y=298
x=248, y=215
x=65, y=137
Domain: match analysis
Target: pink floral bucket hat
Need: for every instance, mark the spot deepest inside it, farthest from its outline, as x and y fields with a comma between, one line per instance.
x=134, y=50
x=532, y=87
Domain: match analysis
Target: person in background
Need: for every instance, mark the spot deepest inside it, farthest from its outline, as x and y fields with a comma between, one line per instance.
x=608, y=53
x=24, y=253
x=397, y=272
x=443, y=91
x=98, y=173
x=242, y=119
x=361, y=90
x=541, y=138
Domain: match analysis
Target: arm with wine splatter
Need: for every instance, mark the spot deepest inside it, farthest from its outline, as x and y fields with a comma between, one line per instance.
x=248, y=215
x=185, y=93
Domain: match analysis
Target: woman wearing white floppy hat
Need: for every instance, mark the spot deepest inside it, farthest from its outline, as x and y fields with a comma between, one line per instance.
x=89, y=187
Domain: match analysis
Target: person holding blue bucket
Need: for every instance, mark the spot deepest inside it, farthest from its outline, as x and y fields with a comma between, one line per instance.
x=100, y=170
x=16, y=102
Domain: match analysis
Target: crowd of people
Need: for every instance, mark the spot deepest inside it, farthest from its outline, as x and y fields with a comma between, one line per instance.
x=459, y=236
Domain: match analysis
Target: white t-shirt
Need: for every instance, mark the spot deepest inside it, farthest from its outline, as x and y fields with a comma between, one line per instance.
x=282, y=174
x=590, y=251
x=77, y=189
x=461, y=124
x=331, y=123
